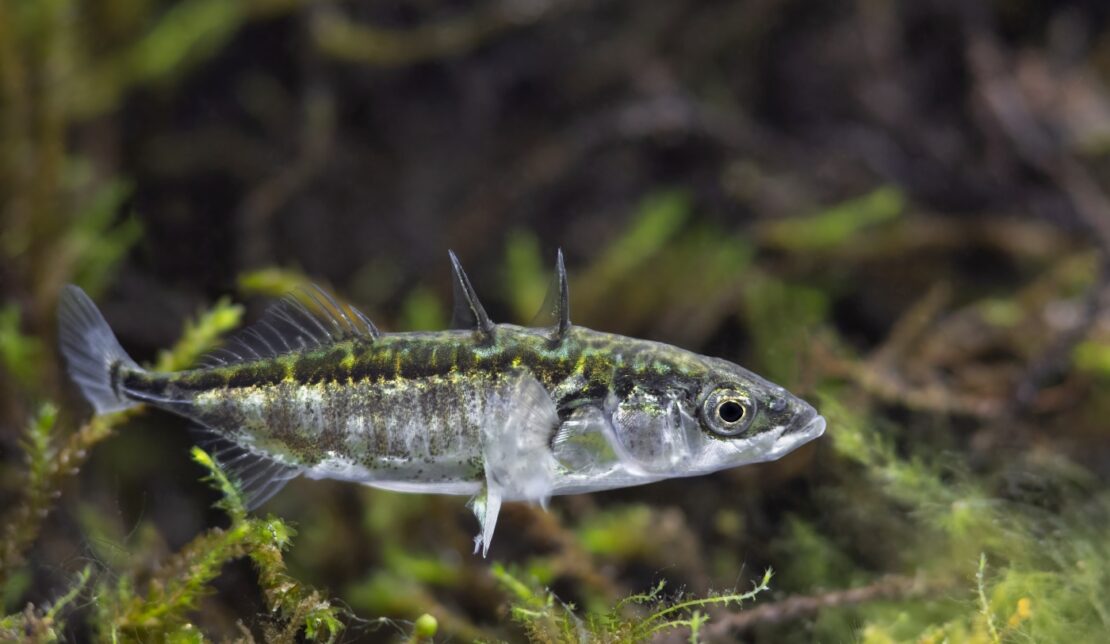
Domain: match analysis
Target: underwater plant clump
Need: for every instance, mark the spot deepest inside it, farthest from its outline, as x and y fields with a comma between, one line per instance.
x=907, y=231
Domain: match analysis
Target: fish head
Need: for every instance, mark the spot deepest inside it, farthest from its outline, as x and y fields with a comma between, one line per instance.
x=714, y=416
x=743, y=418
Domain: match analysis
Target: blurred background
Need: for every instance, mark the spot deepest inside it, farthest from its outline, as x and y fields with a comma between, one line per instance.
x=898, y=210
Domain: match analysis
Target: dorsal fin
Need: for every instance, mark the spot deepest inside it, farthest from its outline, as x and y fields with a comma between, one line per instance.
x=305, y=319
x=468, y=313
x=555, y=311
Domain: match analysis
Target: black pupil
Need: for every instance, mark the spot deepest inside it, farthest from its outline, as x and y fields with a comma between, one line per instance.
x=730, y=411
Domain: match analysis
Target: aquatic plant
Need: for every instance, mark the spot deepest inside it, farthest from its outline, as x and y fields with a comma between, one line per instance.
x=927, y=260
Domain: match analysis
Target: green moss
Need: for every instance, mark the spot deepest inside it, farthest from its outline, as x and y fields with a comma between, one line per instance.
x=45, y=624
x=782, y=319
x=813, y=560
x=835, y=225
x=1052, y=571
x=636, y=618
x=162, y=607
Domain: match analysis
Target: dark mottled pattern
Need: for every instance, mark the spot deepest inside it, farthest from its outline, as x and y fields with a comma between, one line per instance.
x=404, y=399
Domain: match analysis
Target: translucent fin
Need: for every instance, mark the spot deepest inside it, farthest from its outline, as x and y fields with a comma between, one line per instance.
x=486, y=507
x=585, y=441
x=94, y=358
x=555, y=311
x=519, y=466
x=257, y=476
x=468, y=313
x=305, y=319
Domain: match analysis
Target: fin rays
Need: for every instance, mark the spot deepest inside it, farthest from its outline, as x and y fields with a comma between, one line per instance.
x=305, y=319
x=311, y=317
x=257, y=476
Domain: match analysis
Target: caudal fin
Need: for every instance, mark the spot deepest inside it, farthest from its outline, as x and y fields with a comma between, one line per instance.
x=92, y=353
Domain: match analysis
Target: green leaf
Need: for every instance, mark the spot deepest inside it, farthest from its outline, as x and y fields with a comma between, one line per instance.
x=837, y=224
x=232, y=501
x=659, y=218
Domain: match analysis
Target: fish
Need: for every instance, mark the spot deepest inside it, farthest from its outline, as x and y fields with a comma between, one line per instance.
x=496, y=412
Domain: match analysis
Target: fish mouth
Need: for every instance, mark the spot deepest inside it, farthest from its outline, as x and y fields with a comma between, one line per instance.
x=813, y=429
x=792, y=439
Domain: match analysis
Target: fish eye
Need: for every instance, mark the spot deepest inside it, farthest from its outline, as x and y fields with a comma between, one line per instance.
x=728, y=412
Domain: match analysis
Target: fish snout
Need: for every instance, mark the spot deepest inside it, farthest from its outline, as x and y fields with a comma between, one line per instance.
x=806, y=426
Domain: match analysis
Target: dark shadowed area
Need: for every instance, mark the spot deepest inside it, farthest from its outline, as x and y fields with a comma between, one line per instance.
x=898, y=210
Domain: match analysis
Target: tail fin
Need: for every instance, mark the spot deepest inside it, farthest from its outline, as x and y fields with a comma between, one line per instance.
x=93, y=355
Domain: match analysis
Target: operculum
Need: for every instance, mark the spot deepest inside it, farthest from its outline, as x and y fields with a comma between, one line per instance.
x=654, y=431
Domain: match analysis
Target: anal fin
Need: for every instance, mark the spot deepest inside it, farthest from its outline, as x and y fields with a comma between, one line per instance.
x=258, y=476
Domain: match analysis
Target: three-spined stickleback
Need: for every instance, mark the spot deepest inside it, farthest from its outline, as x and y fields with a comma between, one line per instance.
x=495, y=411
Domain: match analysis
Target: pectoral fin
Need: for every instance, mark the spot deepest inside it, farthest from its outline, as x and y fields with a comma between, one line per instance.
x=518, y=462
x=586, y=443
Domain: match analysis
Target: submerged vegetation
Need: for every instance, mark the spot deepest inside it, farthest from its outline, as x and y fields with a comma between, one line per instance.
x=923, y=258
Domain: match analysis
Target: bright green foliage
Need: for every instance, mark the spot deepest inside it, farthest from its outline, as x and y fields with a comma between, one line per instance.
x=39, y=445
x=231, y=501
x=781, y=317
x=271, y=282
x=173, y=593
x=984, y=605
x=200, y=336
x=44, y=625
x=20, y=530
x=636, y=618
x=266, y=540
x=424, y=629
x=51, y=460
x=812, y=559
x=837, y=224
x=188, y=31
x=659, y=218
x=164, y=611
x=991, y=570
x=180, y=582
x=1053, y=576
